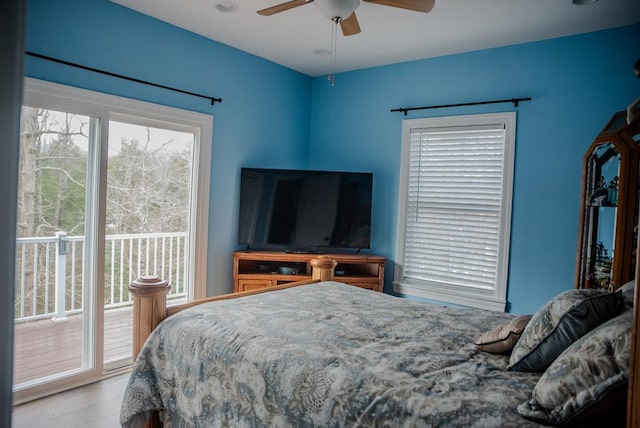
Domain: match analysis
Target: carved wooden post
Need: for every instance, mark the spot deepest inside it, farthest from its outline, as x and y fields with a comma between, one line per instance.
x=149, y=307
x=322, y=268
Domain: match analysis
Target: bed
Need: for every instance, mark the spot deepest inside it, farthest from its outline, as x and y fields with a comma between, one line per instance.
x=327, y=354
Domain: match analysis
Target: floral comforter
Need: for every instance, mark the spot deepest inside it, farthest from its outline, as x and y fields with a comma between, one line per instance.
x=325, y=354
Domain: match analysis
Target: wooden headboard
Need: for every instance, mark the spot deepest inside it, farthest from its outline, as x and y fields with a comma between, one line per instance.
x=150, y=299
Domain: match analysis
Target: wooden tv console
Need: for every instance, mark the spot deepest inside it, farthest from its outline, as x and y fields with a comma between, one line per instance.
x=254, y=270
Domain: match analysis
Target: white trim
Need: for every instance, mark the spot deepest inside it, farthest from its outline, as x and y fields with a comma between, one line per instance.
x=495, y=299
x=200, y=219
x=475, y=300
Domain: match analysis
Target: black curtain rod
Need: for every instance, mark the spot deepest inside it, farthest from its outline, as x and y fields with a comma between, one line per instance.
x=515, y=102
x=120, y=76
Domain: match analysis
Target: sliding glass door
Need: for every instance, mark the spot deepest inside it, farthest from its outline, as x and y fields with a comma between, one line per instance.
x=149, y=190
x=55, y=320
x=110, y=189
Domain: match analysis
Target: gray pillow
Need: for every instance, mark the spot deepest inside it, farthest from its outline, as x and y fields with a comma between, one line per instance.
x=559, y=323
x=627, y=291
x=501, y=339
x=587, y=383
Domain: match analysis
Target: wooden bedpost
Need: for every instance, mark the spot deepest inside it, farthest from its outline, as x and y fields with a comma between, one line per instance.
x=322, y=268
x=149, y=307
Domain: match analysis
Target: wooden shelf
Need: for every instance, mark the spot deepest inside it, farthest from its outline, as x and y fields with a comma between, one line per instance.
x=260, y=269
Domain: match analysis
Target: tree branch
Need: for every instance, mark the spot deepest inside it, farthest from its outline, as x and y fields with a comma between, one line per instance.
x=51, y=168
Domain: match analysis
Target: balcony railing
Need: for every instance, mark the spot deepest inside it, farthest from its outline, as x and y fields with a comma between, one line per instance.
x=50, y=271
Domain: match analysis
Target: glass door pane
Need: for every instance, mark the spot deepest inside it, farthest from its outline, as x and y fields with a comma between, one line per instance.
x=149, y=187
x=601, y=210
x=53, y=308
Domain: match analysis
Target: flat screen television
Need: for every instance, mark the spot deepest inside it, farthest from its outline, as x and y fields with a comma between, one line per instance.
x=304, y=211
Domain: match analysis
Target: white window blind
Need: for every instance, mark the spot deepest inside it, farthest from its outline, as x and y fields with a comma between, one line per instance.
x=457, y=183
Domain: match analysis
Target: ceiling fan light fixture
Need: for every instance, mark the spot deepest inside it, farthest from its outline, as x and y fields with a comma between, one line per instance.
x=226, y=6
x=337, y=8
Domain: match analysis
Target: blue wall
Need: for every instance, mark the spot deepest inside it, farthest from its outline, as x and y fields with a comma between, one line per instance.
x=275, y=117
x=262, y=121
x=576, y=83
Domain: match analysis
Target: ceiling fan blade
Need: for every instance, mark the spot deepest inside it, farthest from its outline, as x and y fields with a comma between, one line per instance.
x=350, y=25
x=282, y=7
x=417, y=5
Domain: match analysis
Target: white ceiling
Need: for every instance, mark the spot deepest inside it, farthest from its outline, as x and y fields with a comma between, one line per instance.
x=389, y=35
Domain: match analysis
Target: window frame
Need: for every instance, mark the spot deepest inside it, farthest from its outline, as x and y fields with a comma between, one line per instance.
x=494, y=299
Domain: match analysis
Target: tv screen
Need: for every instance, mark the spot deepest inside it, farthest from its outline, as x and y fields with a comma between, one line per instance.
x=304, y=210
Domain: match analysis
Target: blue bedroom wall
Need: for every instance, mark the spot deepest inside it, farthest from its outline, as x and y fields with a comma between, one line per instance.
x=262, y=121
x=576, y=83
x=275, y=117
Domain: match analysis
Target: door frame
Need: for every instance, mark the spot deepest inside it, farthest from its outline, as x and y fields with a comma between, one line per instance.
x=106, y=107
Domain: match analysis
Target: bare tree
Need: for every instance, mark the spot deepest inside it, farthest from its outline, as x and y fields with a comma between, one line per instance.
x=147, y=187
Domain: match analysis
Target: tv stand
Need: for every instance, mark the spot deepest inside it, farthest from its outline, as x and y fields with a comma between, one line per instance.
x=261, y=269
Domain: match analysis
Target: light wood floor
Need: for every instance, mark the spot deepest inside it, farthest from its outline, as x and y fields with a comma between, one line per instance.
x=96, y=406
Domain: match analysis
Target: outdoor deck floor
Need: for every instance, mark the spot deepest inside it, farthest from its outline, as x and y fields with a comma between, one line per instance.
x=43, y=348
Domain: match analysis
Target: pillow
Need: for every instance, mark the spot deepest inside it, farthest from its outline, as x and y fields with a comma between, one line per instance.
x=501, y=339
x=627, y=291
x=559, y=323
x=587, y=383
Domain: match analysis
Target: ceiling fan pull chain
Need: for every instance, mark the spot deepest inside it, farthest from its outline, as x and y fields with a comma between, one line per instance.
x=334, y=37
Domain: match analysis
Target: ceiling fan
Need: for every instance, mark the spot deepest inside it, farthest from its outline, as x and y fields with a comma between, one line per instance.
x=343, y=11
